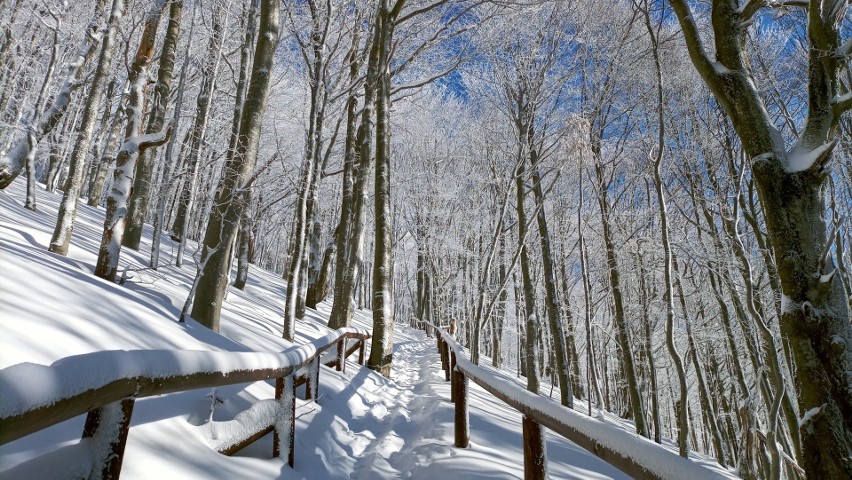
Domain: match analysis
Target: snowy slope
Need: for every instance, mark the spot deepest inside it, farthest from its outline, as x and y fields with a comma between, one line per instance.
x=363, y=426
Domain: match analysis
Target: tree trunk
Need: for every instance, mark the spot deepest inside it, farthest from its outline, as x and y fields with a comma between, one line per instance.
x=625, y=348
x=644, y=301
x=318, y=290
x=551, y=302
x=61, y=238
x=199, y=127
x=167, y=181
x=668, y=297
x=106, y=162
x=246, y=237
x=350, y=245
x=224, y=218
x=708, y=412
x=138, y=206
x=134, y=143
x=381, y=351
x=528, y=291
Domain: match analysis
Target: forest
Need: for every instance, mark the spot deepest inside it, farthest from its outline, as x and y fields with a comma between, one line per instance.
x=643, y=203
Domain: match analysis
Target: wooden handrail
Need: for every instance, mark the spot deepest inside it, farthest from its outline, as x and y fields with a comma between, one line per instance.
x=630, y=453
x=34, y=397
x=31, y=396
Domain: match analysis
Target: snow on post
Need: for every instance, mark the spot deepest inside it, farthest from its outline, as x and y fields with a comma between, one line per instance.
x=313, y=380
x=285, y=423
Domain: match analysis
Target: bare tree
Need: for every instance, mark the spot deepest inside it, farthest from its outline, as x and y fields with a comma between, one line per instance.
x=815, y=312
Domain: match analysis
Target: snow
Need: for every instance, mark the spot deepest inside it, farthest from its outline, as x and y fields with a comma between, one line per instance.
x=809, y=415
x=787, y=304
x=801, y=160
x=66, y=330
x=720, y=69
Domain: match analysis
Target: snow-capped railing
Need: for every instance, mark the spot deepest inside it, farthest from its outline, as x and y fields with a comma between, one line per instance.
x=630, y=453
x=106, y=384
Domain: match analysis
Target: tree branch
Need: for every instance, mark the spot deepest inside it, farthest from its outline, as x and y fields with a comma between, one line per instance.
x=697, y=52
x=748, y=9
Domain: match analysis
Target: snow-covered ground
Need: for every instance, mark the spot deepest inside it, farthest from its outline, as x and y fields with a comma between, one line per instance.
x=363, y=425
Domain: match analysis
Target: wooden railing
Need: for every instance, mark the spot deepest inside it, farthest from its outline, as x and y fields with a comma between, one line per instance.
x=628, y=452
x=106, y=384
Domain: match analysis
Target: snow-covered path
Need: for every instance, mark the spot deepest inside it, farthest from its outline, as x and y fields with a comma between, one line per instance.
x=408, y=436
x=372, y=427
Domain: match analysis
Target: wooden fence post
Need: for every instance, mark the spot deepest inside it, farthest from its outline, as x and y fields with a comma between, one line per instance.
x=341, y=355
x=361, y=350
x=312, y=387
x=535, y=450
x=462, y=426
x=445, y=361
x=108, y=426
x=452, y=370
x=285, y=424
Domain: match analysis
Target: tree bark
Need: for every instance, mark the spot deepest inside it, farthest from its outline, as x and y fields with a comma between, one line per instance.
x=134, y=143
x=246, y=237
x=623, y=335
x=530, y=319
x=381, y=351
x=551, y=301
x=350, y=245
x=167, y=180
x=318, y=289
x=224, y=218
x=138, y=205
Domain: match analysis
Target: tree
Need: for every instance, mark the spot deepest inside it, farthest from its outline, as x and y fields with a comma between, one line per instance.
x=229, y=203
x=61, y=239
x=134, y=145
x=138, y=206
x=814, y=313
x=198, y=133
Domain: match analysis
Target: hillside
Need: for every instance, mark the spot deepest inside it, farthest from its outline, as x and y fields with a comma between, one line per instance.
x=363, y=426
